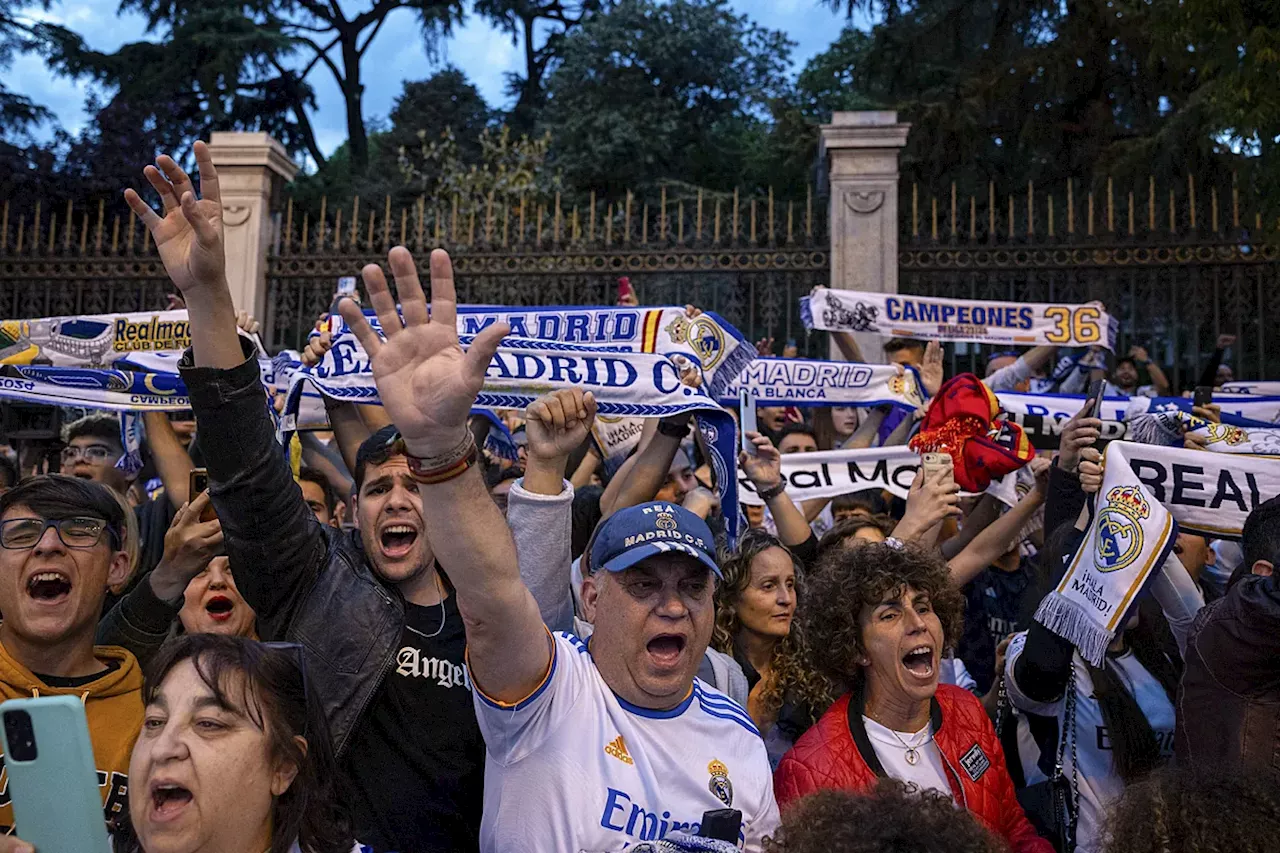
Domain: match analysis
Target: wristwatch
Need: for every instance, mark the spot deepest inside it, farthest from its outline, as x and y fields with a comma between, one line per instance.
x=773, y=491
x=674, y=428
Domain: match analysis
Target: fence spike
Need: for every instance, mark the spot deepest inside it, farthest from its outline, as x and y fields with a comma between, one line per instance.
x=626, y=229
x=1031, y=209
x=790, y=221
x=680, y=223
x=933, y=232
x=1010, y=216
x=577, y=233
x=1235, y=202
x=1173, y=221
x=1090, y=227
x=773, y=237
x=386, y=221
x=471, y=227
x=715, y=240
x=1191, y=200
x=991, y=210
x=1257, y=222
x=324, y=200
x=506, y=220
x=1051, y=234
x=1151, y=203
x=1213, y=210
x=1111, y=213
x=22, y=226
x=4, y=227
x=953, y=210
x=488, y=218
x=452, y=236
x=115, y=235
x=662, y=216
x=555, y=222
x=369, y=240
x=306, y=229
x=421, y=223
x=538, y=234
x=97, y=238
x=644, y=224
x=84, y=233
x=973, y=218
x=1071, y=207
x=439, y=229
x=697, y=229
x=608, y=225
x=522, y=228
x=35, y=229
x=66, y=236
x=404, y=225
x=735, y=214
x=591, y=221
x=337, y=230
x=133, y=219
x=1131, y=213
x=146, y=240
x=753, y=222
x=53, y=230
x=915, y=209
x=288, y=225
x=808, y=213
x=355, y=223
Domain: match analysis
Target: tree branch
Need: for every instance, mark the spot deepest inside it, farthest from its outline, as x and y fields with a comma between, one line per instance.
x=378, y=13
x=374, y=34
x=323, y=56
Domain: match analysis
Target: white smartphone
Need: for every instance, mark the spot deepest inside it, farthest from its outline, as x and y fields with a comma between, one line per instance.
x=53, y=780
x=747, y=419
x=938, y=465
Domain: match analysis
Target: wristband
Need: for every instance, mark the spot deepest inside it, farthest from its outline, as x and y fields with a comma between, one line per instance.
x=773, y=491
x=674, y=429
x=432, y=470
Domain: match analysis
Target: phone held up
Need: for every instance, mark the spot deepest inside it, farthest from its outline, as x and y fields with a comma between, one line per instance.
x=53, y=780
x=197, y=483
x=1094, y=397
x=938, y=467
x=747, y=419
x=1203, y=397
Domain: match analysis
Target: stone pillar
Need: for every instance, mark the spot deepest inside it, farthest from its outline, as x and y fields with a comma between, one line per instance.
x=252, y=171
x=862, y=151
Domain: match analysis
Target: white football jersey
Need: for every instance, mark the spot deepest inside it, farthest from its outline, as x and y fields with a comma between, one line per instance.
x=576, y=768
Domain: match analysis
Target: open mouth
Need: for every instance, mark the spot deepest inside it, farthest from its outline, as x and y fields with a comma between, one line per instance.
x=666, y=649
x=49, y=587
x=169, y=800
x=219, y=608
x=919, y=661
x=398, y=540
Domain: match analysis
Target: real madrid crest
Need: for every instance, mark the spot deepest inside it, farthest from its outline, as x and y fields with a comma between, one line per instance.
x=665, y=521
x=720, y=784
x=1120, y=540
x=702, y=335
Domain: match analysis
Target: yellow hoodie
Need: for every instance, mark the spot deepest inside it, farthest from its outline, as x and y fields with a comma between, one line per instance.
x=113, y=705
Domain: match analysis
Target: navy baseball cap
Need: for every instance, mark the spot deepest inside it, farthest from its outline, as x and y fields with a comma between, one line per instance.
x=640, y=532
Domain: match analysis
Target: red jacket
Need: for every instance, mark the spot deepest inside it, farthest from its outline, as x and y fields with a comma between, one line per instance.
x=836, y=753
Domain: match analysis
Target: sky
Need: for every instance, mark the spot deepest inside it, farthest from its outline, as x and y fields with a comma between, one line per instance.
x=476, y=47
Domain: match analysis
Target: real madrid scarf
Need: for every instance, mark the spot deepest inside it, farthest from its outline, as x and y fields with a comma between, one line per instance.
x=1257, y=388
x=1148, y=492
x=805, y=382
x=981, y=321
x=626, y=384
x=104, y=388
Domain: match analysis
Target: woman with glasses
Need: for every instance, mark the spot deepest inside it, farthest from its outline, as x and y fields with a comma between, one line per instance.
x=234, y=756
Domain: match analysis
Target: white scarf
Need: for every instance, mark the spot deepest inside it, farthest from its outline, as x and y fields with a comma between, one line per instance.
x=1147, y=493
x=826, y=474
x=938, y=319
x=805, y=382
x=1257, y=388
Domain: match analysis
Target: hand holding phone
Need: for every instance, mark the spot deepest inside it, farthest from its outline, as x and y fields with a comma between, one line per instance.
x=938, y=467
x=1203, y=397
x=1094, y=396
x=197, y=483
x=747, y=419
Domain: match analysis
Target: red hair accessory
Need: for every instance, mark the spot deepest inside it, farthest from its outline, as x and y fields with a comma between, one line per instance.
x=962, y=422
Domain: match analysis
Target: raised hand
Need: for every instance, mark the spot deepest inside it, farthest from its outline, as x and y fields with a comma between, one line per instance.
x=931, y=368
x=1091, y=470
x=559, y=422
x=426, y=382
x=1078, y=433
x=189, y=545
x=764, y=467
x=313, y=353
x=189, y=235
x=1226, y=341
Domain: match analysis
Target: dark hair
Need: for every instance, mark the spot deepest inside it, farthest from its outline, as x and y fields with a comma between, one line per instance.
x=60, y=496
x=793, y=675
x=586, y=515
x=1261, y=537
x=892, y=817
x=314, y=475
x=868, y=499
x=496, y=476
x=103, y=427
x=1196, y=810
x=898, y=344
x=1126, y=359
x=8, y=472
x=833, y=539
x=848, y=579
x=796, y=429
x=377, y=449
x=266, y=683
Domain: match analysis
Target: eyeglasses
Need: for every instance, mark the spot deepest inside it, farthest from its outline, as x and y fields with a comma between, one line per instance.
x=79, y=532
x=92, y=453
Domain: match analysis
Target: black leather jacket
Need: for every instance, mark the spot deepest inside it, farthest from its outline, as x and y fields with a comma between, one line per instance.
x=307, y=582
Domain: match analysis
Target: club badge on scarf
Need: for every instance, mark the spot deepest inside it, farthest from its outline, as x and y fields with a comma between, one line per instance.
x=981, y=321
x=1225, y=438
x=1130, y=535
x=962, y=422
x=805, y=382
x=719, y=349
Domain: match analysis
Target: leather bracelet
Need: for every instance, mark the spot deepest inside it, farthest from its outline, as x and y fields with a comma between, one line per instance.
x=773, y=491
x=432, y=470
x=671, y=429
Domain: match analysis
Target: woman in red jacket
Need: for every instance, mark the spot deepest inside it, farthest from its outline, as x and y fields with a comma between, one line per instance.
x=882, y=615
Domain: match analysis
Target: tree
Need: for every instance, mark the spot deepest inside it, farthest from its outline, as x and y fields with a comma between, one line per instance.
x=17, y=112
x=250, y=63
x=645, y=91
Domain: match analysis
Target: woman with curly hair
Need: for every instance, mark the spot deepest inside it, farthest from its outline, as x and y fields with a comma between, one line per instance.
x=880, y=617
x=892, y=817
x=755, y=623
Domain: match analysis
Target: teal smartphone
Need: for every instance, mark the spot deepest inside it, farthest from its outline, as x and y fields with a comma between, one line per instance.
x=53, y=781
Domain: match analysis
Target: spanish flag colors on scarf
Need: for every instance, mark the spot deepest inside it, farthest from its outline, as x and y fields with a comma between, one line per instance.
x=962, y=422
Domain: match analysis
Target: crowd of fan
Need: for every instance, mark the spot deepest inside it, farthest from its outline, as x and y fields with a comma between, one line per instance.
x=472, y=653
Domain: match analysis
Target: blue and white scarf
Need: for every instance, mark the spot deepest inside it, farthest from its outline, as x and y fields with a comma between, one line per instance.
x=626, y=384
x=805, y=382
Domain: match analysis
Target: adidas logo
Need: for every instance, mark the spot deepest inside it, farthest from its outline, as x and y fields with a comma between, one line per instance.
x=618, y=749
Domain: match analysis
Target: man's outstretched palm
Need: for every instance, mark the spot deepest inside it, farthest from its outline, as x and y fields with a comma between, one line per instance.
x=189, y=235
x=426, y=382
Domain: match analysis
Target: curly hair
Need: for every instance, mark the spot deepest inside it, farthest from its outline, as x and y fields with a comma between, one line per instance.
x=1196, y=810
x=834, y=538
x=791, y=672
x=849, y=579
x=892, y=817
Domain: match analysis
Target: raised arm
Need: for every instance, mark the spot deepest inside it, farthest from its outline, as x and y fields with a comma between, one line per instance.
x=1158, y=379
x=428, y=386
x=273, y=541
x=848, y=346
x=647, y=470
x=1001, y=535
x=172, y=460
x=764, y=468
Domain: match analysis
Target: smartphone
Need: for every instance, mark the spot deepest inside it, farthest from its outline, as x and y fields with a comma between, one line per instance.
x=1204, y=396
x=938, y=466
x=53, y=780
x=1094, y=396
x=747, y=419
x=346, y=285
x=199, y=482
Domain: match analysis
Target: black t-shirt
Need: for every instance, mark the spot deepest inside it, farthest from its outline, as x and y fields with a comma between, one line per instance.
x=415, y=766
x=994, y=602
